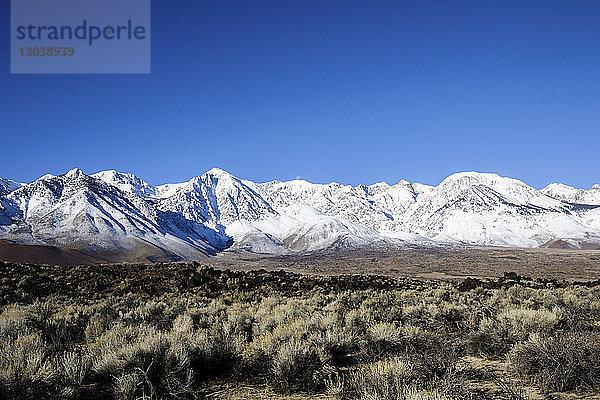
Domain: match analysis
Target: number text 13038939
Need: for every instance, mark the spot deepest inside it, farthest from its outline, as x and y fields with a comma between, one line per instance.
x=46, y=51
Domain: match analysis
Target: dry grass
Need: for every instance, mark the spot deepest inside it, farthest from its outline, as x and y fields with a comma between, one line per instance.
x=293, y=337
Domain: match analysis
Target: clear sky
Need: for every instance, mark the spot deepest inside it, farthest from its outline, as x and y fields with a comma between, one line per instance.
x=347, y=91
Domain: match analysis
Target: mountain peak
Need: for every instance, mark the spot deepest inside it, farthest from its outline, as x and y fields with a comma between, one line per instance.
x=381, y=184
x=558, y=184
x=216, y=209
x=74, y=173
x=109, y=172
x=570, y=194
x=556, y=187
x=470, y=178
x=47, y=176
x=126, y=182
x=472, y=175
x=114, y=175
x=218, y=172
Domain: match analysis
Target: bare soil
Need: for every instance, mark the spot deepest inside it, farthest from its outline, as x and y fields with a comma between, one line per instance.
x=22, y=253
x=429, y=263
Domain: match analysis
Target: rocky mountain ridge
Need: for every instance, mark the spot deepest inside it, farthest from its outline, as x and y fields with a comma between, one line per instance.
x=117, y=216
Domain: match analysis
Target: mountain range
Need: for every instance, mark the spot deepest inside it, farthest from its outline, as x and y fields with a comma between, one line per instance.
x=117, y=216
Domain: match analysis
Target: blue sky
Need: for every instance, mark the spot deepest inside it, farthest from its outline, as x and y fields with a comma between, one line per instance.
x=351, y=91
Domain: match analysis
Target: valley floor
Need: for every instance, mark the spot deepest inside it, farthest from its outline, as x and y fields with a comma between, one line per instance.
x=190, y=331
x=445, y=263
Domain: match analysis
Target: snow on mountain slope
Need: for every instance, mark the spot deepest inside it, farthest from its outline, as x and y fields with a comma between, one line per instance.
x=112, y=212
x=299, y=227
x=6, y=210
x=511, y=190
x=80, y=211
x=328, y=232
x=570, y=194
x=474, y=208
x=216, y=199
x=486, y=209
x=375, y=206
x=128, y=183
x=7, y=186
x=240, y=210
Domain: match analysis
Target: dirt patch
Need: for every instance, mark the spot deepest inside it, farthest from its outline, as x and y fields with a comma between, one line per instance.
x=21, y=253
x=429, y=263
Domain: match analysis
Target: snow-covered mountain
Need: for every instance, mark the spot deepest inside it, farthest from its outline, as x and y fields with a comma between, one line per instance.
x=116, y=216
x=572, y=195
x=82, y=212
x=7, y=186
